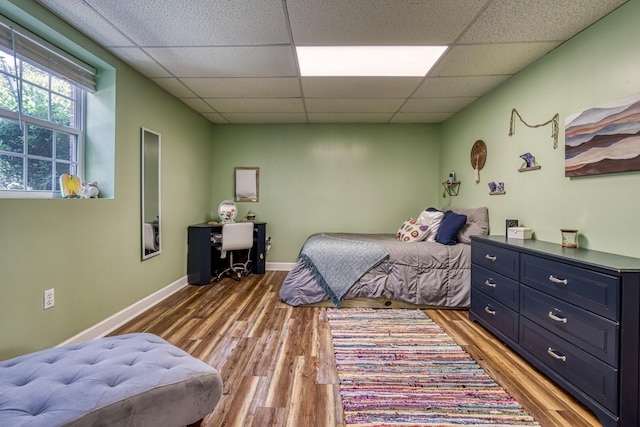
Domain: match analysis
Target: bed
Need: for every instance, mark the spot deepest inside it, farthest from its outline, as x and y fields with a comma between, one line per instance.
x=426, y=264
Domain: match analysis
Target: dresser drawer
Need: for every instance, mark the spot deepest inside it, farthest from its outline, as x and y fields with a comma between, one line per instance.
x=594, y=377
x=495, y=314
x=495, y=258
x=592, y=333
x=593, y=291
x=496, y=286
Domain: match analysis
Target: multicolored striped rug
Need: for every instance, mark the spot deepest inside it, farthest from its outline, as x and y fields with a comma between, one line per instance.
x=399, y=368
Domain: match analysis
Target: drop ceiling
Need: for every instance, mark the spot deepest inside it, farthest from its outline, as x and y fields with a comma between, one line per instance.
x=234, y=61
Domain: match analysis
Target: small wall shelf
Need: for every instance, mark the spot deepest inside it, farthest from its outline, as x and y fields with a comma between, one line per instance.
x=451, y=188
x=497, y=193
x=530, y=168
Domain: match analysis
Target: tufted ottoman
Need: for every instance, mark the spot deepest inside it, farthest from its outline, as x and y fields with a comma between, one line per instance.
x=127, y=380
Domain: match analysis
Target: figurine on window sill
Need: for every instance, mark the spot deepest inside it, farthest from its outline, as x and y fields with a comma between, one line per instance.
x=89, y=190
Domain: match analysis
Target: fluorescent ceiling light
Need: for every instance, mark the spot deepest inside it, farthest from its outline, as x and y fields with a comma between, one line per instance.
x=409, y=61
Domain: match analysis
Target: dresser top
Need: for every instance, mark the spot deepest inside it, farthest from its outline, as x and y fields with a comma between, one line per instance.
x=604, y=260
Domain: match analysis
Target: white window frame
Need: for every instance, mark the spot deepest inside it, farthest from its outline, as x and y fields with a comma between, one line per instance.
x=26, y=120
x=80, y=155
x=30, y=48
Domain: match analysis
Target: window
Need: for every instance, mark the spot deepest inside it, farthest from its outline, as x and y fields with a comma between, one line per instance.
x=41, y=116
x=43, y=139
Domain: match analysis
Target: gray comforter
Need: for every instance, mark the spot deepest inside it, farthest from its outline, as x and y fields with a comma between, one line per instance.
x=424, y=273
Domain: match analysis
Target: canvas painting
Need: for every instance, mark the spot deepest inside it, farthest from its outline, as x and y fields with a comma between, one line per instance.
x=603, y=139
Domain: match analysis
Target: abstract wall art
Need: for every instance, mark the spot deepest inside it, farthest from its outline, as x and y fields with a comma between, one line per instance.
x=603, y=139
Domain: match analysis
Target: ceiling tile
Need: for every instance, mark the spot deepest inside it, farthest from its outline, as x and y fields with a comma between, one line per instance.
x=326, y=105
x=420, y=117
x=281, y=87
x=490, y=59
x=436, y=105
x=434, y=87
x=349, y=117
x=215, y=118
x=198, y=105
x=85, y=18
x=196, y=22
x=255, y=118
x=380, y=22
x=531, y=21
x=251, y=61
x=359, y=87
x=141, y=61
x=175, y=87
x=269, y=105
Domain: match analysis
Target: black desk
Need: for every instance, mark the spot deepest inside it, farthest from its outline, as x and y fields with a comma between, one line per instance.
x=199, y=258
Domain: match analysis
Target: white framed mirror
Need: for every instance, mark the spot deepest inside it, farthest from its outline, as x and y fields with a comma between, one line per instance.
x=247, y=184
x=150, y=193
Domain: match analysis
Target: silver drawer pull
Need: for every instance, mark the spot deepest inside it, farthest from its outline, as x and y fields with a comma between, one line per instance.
x=555, y=355
x=489, y=311
x=556, y=318
x=559, y=281
x=491, y=258
x=489, y=284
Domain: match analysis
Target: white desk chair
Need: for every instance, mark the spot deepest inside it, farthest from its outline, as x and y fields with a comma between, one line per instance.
x=236, y=236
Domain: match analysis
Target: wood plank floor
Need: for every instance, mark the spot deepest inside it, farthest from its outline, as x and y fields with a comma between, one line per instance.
x=276, y=361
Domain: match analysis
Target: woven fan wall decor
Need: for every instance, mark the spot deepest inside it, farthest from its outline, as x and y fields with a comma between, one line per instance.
x=478, y=158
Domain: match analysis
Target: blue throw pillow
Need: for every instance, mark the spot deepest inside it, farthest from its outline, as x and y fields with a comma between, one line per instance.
x=449, y=228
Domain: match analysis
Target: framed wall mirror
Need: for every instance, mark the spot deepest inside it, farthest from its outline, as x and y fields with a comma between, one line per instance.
x=150, y=193
x=247, y=184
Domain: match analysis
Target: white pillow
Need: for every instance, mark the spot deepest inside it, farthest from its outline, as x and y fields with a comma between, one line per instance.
x=431, y=219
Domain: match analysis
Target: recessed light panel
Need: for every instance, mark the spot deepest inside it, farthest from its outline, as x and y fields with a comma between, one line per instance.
x=406, y=61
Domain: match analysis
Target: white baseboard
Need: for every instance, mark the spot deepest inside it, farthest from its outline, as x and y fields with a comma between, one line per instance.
x=280, y=266
x=120, y=318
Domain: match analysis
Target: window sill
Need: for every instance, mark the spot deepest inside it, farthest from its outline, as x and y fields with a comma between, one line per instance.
x=12, y=194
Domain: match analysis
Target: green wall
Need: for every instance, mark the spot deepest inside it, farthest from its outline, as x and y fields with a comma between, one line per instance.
x=598, y=66
x=319, y=178
x=90, y=250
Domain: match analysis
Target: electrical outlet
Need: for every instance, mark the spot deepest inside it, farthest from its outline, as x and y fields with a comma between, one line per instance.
x=49, y=298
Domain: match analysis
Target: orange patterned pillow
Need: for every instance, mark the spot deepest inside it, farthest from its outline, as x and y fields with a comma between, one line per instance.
x=412, y=231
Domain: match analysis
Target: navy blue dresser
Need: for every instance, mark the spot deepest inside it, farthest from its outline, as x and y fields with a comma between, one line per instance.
x=572, y=312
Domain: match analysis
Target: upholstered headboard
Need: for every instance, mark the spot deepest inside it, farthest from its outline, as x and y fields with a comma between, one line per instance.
x=477, y=222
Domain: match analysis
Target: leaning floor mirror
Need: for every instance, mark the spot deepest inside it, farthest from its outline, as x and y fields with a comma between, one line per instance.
x=150, y=193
